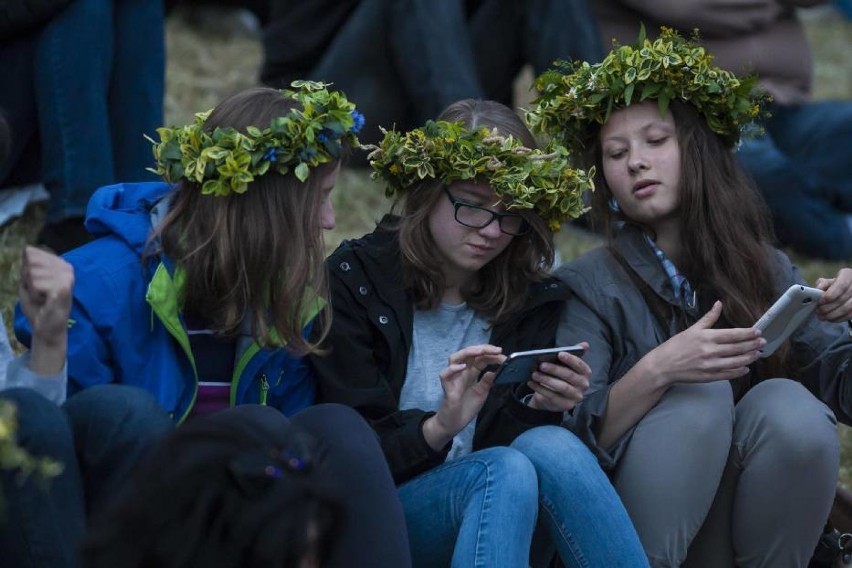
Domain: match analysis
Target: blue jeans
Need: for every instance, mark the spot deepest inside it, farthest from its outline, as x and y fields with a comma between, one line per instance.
x=83, y=92
x=99, y=435
x=404, y=61
x=803, y=167
x=482, y=509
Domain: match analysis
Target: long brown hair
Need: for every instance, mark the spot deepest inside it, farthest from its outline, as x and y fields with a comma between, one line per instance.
x=726, y=251
x=257, y=254
x=501, y=288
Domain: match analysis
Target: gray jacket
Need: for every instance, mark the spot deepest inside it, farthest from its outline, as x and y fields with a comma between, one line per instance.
x=608, y=310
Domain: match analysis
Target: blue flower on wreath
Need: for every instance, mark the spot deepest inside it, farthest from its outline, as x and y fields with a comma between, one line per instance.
x=358, y=119
x=323, y=135
x=307, y=155
x=271, y=155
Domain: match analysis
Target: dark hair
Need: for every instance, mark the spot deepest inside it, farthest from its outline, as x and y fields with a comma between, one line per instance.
x=502, y=287
x=221, y=493
x=252, y=254
x=726, y=251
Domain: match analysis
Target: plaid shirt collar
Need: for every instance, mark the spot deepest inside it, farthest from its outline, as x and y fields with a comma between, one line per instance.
x=680, y=285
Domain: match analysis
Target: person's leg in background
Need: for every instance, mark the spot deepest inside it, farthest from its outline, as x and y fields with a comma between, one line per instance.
x=73, y=64
x=43, y=521
x=670, y=471
x=435, y=54
x=136, y=91
x=506, y=35
x=477, y=510
x=802, y=166
x=98, y=82
x=579, y=506
x=814, y=136
x=114, y=427
x=561, y=29
x=355, y=469
x=22, y=165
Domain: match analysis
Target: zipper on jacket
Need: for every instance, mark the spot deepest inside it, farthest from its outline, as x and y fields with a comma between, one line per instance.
x=166, y=312
x=264, y=389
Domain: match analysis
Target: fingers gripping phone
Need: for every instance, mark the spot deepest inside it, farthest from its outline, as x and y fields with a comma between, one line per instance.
x=786, y=315
x=518, y=366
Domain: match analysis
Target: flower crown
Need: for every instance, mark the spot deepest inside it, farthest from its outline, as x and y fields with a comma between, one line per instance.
x=523, y=178
x=226, y=160
x=668, y=68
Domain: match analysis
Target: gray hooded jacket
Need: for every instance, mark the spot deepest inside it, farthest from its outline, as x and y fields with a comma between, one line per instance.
x=609, y=311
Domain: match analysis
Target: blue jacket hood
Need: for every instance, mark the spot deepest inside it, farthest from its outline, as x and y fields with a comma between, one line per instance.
x=123, y=210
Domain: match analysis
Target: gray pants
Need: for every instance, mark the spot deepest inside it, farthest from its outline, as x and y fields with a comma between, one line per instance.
x=746, y=485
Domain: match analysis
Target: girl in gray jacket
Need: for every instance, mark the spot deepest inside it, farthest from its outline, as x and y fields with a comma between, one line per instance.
x=715, y=451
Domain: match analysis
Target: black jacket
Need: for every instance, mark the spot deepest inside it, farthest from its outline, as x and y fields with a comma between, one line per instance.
x=368, y=354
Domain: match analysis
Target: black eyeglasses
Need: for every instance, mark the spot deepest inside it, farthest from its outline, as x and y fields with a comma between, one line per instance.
x=477, y=217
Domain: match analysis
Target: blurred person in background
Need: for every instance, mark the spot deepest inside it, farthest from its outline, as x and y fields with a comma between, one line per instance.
x=84, y=84
x=404, y=61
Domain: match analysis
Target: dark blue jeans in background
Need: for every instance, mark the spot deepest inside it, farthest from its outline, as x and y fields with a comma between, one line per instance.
x=403, y=61
x=99, y=435
x=803, y=167
x=79, y=95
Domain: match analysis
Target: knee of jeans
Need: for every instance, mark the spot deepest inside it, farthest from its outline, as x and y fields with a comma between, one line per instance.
x=42, y=426
x=546, y=443
x=510, y=471
x=783, y=415
x=111, y=406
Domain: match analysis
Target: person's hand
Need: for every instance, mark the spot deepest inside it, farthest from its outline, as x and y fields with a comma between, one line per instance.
x=836, y=302
x=702, y=354
x=464, y=392
x=559, y=386
x=45, y=296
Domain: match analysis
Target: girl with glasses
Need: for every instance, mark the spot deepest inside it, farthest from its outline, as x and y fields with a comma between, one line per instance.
x=426, y=303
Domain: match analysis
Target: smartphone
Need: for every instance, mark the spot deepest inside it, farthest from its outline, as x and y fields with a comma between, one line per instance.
x=518, y=366
x=786, y=315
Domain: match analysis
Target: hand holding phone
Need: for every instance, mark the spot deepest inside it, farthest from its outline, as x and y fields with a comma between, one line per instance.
x=786, y=315
x=519, y=366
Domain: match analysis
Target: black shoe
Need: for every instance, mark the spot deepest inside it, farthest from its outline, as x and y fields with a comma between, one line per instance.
x=64, y=235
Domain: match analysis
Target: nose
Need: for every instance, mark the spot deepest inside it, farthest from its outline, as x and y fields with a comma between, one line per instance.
x=637, y=162
x=327, y=220
x=491, y=230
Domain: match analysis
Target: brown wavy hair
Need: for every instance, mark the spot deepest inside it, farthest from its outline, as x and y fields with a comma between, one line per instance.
x=501, y=289
x=727, y=249
x=254, y=254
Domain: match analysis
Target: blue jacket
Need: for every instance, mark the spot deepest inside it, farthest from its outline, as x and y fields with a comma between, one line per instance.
x=125, y=324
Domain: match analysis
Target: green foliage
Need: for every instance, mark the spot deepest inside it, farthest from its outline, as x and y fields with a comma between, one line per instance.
x=225, y=160
x=577, y=94
x=13, y=457
x=523, y=178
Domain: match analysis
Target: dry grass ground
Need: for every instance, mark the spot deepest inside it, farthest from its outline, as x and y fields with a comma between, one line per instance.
x=205, y=66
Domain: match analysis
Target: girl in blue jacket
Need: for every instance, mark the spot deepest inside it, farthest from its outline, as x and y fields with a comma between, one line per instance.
x=197, y=296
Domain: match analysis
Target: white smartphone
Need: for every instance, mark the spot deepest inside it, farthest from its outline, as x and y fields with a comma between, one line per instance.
x=786, y=315
x=518, y=366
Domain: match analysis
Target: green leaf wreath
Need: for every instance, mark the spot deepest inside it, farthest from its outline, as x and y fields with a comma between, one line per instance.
x=539, y=180
x=576, y=94
x=226, y=160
